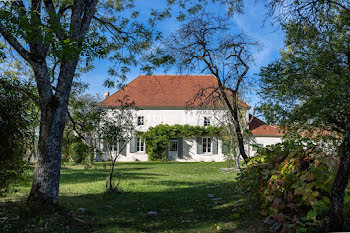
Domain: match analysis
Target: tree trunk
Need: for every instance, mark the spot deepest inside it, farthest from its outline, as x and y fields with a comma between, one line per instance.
x=109, y=183
x=336, y=220
x=234, y=113
x=43, y=197
x=32, y=149
x=238, y=131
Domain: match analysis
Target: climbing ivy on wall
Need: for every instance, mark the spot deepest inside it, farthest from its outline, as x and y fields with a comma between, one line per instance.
x=157, y=138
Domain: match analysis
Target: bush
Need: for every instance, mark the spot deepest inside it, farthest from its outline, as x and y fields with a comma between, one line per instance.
x=12, y=153
x=292, y=182
x=78, y=152
x=14, y=132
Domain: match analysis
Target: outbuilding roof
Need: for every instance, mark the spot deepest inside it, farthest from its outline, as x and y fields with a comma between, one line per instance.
x=258, y=127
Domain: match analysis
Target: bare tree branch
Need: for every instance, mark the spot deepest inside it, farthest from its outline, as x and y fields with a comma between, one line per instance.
x=74, y=123
x=15, y=43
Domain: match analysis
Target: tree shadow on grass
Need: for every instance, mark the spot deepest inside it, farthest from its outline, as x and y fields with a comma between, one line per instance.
x=181, y=210
x=204, y=207
x=99, y=175
x=14, y=217
x=182, y=205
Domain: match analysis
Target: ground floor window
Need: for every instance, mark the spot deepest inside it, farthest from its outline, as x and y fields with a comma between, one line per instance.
x=173, y=144
x=206, y=145
x=119, y=146
x=140, y=144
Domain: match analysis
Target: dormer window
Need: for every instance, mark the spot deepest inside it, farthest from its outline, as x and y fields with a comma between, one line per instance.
x=206, y=121
x=140, y=120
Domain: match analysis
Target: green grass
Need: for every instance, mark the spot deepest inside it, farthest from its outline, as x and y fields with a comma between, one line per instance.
x=178, y=192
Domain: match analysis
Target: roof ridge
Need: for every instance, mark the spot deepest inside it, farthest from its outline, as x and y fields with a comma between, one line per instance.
x=177, y=75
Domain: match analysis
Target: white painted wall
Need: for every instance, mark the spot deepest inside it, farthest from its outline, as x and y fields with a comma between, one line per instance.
x=195, y=117
x=264, y=140
x=190, y=152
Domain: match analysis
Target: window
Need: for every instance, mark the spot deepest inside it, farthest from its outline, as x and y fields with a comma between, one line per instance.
x=173, y=145
x=256, y=146
x=140, y=120
x=119, y=146
x=115, y=147
x=140, y=145
x=206, y=121
x=206, y=145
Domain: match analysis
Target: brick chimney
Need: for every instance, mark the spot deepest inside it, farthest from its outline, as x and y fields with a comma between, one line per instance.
x=106, y=95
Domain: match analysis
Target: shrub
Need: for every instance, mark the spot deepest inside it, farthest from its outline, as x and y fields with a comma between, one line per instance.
x=78, y=152
x=14, y=132
x=292, y=182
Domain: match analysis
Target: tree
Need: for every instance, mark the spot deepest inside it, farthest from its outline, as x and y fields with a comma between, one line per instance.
x=206, y=43
x=53, y=37
x=230, y=139
x=117, y=128
x=15, y=129
x=309, y=86
x=84, y=116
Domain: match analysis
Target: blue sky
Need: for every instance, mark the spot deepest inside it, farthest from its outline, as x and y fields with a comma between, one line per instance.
x=253, y=22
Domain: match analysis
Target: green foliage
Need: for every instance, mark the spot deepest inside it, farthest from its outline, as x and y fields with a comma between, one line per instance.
x=292, y=180
x=158, y=138
x=14, y=132
x=68, y=139
x=311, y=75
x=78, y=152
x=83, y=121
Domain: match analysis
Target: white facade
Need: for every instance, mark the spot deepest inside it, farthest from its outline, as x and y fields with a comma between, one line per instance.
x=185, y=149
x=262, y=141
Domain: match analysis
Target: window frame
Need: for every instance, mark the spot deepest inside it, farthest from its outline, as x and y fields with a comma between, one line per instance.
x=140, y=120
x=207, y=145
x=207, y=121
x=140, y=145
x=174, y=142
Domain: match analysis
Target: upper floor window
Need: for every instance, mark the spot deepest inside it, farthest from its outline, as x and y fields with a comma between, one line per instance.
x=140, y=120
x=206, y=121
x=206, y=145
x=140, y=145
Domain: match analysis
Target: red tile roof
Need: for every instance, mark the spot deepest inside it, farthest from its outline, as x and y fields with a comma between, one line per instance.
x=258, y=127
x=167, y=91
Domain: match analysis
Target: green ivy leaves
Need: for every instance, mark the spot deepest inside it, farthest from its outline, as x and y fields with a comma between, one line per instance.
x=158, y=138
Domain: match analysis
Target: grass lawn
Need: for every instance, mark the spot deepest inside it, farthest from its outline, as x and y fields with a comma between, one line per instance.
x=178, y=192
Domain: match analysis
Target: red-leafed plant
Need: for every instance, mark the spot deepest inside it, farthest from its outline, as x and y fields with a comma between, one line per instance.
x=292, y=180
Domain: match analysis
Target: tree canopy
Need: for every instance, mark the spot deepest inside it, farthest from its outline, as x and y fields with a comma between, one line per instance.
x=309, y=86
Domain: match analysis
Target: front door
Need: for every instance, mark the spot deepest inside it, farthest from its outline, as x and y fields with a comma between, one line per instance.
x=172, y=155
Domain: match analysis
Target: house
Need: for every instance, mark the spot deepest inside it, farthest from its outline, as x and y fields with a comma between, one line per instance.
x=184, y=99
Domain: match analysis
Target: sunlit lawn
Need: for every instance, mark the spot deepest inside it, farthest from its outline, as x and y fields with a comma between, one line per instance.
x=177, y=192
